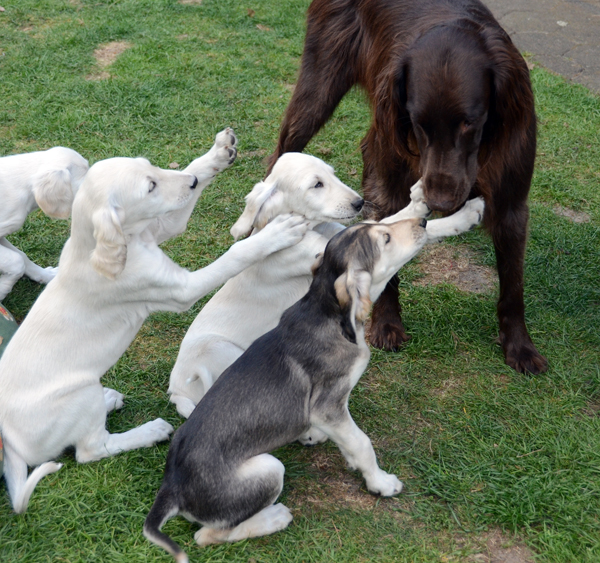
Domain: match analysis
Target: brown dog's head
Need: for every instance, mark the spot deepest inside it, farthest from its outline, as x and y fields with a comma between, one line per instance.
x=456, y=89
x=358, y=263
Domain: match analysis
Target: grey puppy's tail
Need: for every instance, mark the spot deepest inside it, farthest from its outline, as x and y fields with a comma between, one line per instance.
x=161, y=511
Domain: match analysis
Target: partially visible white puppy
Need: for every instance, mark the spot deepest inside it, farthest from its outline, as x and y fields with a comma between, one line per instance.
x=112, y=275
x=251, y=304
x=45, y=179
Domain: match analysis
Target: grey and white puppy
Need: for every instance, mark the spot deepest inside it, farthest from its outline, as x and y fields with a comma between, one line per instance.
x=295, y=379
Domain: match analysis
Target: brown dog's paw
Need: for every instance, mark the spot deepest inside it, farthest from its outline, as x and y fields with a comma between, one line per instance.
x=525, y=358
x=388, y=336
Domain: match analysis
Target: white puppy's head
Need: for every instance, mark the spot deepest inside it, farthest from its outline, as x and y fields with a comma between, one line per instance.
x=300, y=184
x=59, y=177
x=119, y=198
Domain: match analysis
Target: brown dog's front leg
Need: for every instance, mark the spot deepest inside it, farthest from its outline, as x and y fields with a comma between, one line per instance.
x=510, y=235
x=387, y=331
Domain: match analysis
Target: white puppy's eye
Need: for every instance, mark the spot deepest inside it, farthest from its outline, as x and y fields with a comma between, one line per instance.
x=152, y=186
x=386, y=237
x=318, y=185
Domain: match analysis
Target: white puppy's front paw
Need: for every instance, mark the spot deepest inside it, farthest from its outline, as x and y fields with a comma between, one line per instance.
x=384, y=484
x=45, y=275
x=416, y=192
x=283, y=231
x=470, y=215
x=224, y=151
x=157, y=430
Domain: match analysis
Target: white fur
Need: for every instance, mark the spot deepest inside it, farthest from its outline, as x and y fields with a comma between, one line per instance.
x=112, y=274
x=45, y=179
x=251, y=304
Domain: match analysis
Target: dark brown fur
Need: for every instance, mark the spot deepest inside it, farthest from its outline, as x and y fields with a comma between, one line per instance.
x=452, y=102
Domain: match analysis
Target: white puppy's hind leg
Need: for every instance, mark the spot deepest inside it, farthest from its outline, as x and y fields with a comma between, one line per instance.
x=12, y=267
x=19, y=485
x=29, y=268
x=463, y=220
x=100, y=444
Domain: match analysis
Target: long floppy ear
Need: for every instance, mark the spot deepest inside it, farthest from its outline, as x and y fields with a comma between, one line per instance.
x=391, y=119
x=262, y=204
x=317, y=264
x=53, y=193
x=352, y=292
x=110, y=255
x=511, y=107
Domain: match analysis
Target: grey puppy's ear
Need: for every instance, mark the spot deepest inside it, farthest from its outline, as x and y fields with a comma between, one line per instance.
x=110, y=254
x=352, y=292
x=263, y=203
x=53, y=192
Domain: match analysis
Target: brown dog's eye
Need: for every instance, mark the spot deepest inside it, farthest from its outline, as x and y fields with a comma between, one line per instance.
x=465, y=126
x=152, y=186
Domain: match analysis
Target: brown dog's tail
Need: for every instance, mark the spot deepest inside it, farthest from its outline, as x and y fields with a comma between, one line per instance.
x=163, y=509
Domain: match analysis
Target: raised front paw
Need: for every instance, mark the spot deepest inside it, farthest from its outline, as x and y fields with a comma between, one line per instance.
x=384, y=484
x=473, y=211
x=283, y=231
x=224, y=150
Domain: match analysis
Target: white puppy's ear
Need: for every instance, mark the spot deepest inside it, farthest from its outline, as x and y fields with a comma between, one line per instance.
x=110, y=254
x=53, y=193
x=352, y=292
x=262, y=204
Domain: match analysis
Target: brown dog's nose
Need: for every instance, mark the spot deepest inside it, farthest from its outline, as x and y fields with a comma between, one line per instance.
x=358, y=204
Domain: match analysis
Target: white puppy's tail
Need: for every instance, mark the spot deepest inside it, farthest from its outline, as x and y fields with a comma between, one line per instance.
x=20, y=486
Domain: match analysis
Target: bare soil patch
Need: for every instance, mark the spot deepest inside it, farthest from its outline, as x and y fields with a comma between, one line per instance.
x=574, y=216
x=190, y=2
x=456, y=265
x=495, y=547
x=105, y=56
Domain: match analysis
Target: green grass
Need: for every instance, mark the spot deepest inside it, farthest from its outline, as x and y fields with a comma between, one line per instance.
x=481, y=449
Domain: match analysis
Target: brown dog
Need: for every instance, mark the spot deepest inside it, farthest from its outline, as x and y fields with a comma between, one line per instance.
x=452, y=102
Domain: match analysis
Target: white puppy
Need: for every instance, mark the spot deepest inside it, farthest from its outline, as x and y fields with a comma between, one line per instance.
x=112, y=275
x=45, y=179
x=251, y=304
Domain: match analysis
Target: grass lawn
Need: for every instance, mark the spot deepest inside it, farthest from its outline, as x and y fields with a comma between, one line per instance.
x=494, y=462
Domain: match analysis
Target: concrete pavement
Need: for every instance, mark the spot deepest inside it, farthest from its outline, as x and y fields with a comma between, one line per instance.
x=563, y=35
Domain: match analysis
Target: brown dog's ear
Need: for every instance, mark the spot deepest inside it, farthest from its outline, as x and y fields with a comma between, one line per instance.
x=511, y=107
x=262, y=204
x=110, y=255
x=391, y=118
x=53, y=193
x=316, y=264
x=352, y=292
